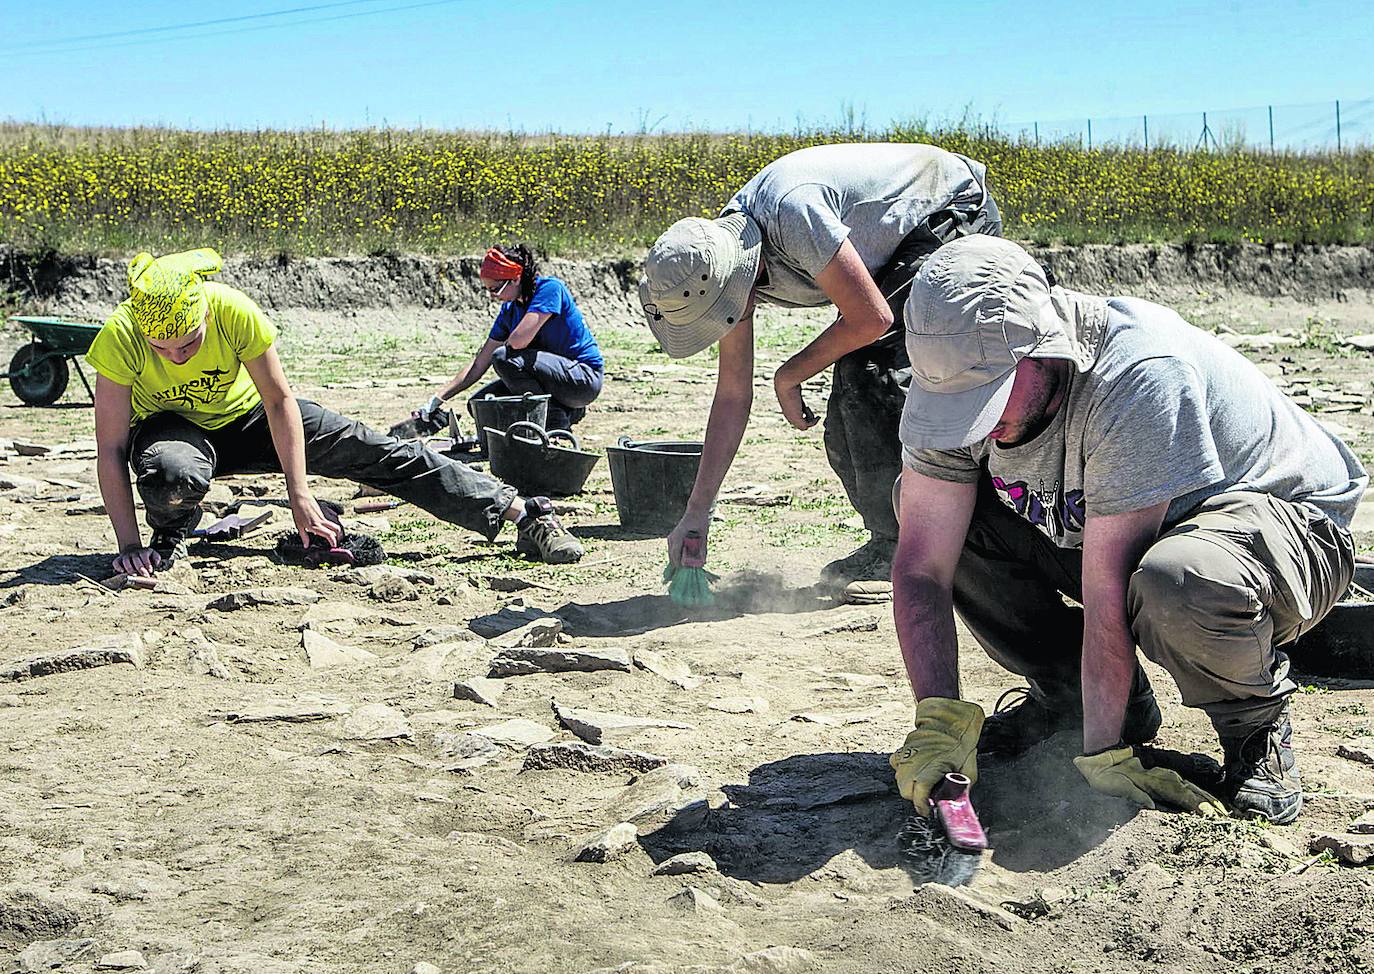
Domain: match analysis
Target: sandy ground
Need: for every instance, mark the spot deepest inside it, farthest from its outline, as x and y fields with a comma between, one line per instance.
x=142, y=808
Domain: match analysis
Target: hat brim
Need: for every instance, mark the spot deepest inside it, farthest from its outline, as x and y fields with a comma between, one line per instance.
x=947, y=421
x=741, y=265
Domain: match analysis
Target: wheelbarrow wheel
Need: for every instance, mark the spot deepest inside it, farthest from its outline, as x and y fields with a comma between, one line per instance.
x=37, y=376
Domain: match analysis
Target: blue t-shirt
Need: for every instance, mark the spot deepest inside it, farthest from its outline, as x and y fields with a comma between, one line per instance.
x=564, y=333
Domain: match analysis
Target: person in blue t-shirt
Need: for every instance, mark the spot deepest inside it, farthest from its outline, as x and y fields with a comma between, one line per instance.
x=538, y=344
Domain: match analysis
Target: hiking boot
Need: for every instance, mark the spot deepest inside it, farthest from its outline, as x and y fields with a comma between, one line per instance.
x=1261, y=772
x=870, y=562
x=1016, y=725
x=541, y=536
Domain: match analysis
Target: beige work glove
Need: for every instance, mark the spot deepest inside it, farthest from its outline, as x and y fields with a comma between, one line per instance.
x=1119, y=772
x=945, y=740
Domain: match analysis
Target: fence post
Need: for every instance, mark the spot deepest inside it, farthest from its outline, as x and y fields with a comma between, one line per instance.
x=1037, y=134
x=1338, y=125
x=1090, y=130
x=1146, y=120
x=1271, y=130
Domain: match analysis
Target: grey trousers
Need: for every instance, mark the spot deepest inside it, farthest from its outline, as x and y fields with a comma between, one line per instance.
x=173, y=461
x=868, y=388
x=1211, y=601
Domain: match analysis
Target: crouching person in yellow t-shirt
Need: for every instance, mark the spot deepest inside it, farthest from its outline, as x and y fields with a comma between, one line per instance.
x=189, y=387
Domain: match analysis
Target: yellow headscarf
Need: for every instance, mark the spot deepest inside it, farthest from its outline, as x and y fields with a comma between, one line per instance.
x=167, y=294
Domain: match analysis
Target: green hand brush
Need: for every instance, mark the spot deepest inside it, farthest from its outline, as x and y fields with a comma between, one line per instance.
x=690, y=587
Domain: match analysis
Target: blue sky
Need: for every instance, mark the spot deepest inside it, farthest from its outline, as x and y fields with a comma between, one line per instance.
x=589, y=66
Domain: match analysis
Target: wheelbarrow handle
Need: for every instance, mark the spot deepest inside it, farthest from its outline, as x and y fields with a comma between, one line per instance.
x=534, y=428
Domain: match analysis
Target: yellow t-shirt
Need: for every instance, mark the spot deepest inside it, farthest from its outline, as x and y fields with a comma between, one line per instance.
x=212, y=388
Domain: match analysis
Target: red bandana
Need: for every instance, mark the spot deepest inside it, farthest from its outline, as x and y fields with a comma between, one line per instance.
x=499, y=267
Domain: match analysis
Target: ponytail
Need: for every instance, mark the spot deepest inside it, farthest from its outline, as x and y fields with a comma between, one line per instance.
x=529, y=269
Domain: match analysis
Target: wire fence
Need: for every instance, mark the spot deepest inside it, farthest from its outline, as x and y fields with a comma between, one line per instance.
x=1315, y=126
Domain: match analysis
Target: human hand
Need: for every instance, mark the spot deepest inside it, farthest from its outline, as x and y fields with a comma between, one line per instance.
x=311, y=521
x=1117, y=771
x=137, y=560
x=945, y=740
x=426, y=412
x=790, y=401
x=701, y=524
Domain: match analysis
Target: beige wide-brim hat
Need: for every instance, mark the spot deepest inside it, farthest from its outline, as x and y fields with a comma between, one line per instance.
x=978, y=307
x=697, y=279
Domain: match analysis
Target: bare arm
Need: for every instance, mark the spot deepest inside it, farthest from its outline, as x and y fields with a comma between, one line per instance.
x=113, y=412
x=1112, y=548
x=522, y=334
x=475, y=370
x=724, y=430
x=288, y=437
x=864, y=318
x=932, y=524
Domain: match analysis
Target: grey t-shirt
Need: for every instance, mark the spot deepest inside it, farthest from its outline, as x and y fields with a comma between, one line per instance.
x=1167, y=413
x=810, y=201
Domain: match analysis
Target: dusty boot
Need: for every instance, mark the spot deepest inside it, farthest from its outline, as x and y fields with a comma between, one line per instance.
x=864, y=575
x=1023, y=718
x=541, y=535
x=170, y=543
x=1261, y=771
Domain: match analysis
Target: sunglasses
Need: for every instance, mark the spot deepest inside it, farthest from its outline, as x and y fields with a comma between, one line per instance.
x=493, y=291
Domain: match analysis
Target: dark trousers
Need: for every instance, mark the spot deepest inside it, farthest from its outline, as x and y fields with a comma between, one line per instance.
x=570, y=385
x=1210, y=601
x=868, y=388
x=174, y=460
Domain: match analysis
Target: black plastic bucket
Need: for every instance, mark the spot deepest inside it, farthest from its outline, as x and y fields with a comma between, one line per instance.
x=1342, y=644
x=529, y=459
x=652, y=482
x=499, y=412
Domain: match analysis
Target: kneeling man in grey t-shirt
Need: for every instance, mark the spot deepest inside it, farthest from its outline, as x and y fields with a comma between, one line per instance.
x=1056, y=443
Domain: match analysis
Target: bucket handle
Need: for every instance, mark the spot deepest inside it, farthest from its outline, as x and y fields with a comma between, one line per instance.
x=534, y=427
x=625, y=443
x=568, y=435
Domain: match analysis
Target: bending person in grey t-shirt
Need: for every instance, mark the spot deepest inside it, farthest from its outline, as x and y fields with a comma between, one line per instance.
x=832, y=224
x=1102, y=448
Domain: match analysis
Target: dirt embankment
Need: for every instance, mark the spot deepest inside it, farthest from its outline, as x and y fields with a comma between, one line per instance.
x=606, y=287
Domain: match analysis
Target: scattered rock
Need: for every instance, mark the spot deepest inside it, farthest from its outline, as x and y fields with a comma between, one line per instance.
x=693, y=900
x=15, y=596
x=662, y=790
x=1361, y=752
x=753, y=495
x=479, y=689
x=303, y=709
x=203, y=659
x=424, y=968
x=44, y=955
x=372, y=574
x=441, y=634
x=523, y=661
x=739, y=705
x=27, y=915
x=1353, y=850
x=608, y=845
x=686, y=863
x=324, y=653
x=11, y=700
x=1042, y=904
x=511, y=583
x=678, y=674
x=775, y=960
x=594, y=726
x=390, y=588
x=576, y=756
x=536, y=634
x=518, y=733
x=376, y=722
x=101, y=651
x=855, y=622
x=1364, y=825
x=338, y=616
x=251, y=597
x=122, y=960
x=508, y=618
x=468, y=751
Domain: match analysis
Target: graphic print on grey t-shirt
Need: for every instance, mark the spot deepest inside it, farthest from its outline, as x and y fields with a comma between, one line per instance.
x=1054, y=511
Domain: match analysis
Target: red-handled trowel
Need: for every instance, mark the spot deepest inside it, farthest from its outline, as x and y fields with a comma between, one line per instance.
x=946, y=846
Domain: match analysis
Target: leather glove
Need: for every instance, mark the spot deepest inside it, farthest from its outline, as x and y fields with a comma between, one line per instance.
x=426, y=412
x=1117, y=771
x=945, y=740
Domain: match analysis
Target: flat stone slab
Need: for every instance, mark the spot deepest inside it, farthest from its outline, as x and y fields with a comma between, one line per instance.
x=251, y=597
x=1364, y=825
x=122, y=960
x=693, y=900
x=203, y=658
x=301, y=710
x=518, y=733
x=507, y=618
x=466, y=751
x=341, y=615
x=324, y=653
x=441, y=634
x=739, y=705
x=1361, y=752
x=1353, y=850
x=44, y=955
x=479, y=689
x=539, y=633
x=576, y=756
x=100, y=651
x=524, y=661
x=677, y=673
x=608, y=845
x=594, y=726
x=686, y=863
x=376, y=722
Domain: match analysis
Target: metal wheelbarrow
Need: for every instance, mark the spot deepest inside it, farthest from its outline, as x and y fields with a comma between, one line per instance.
x=38, y=372
x=526, y=457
